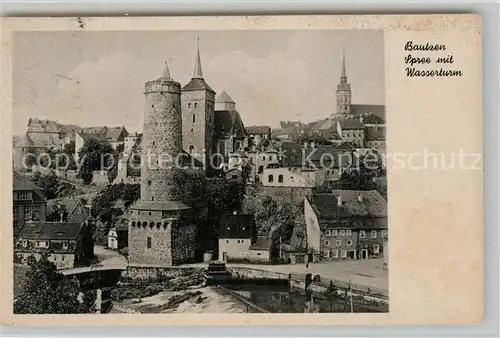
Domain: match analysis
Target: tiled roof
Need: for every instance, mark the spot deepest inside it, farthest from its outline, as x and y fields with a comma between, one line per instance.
x=372, y=119
x=109, y=134
x=330, y=214
x=197, y=84
x=21, y=183
x=360, y=109
x=375, y=133
x=71, y=205
x=258, y=130
x=350, y=124
x=328, y=156
x=237, y=226
x=228, y=122
x=330, y=134
x=50, y=230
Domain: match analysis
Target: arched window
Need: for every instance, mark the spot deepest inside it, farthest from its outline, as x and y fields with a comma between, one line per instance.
x=280, y=178
x=196, y=105
x=165, y=225
x=144, y=224
x=133, y=224
x=189, y=105
x=270, y=178
x=151, y=224
x=237, y=145
x=158, y=225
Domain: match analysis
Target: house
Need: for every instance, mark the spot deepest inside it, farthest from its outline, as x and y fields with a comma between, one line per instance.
x=257, y=134
x=234, y=175
x=260, y=251
x=286, y=177
x=76, y=209
x=129, y=141
x=29, y=202
x=375, y=138
x=115, y=136
x=352, y=130
x=118, y=237
x=68, y=244
x=346, y=224
x=237, y=232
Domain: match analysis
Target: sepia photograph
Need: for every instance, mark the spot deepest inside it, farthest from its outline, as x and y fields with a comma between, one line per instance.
x=228, y=171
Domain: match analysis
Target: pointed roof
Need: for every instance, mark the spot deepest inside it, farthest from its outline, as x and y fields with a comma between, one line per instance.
x=344, y=74
x=197, y=82
x=166, y=72
x=197, y=73
x=223, y=98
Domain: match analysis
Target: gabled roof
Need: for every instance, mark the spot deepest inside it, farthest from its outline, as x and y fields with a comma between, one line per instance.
x=351, y=124
x=71, y=205
x=197, y=84
x=372, y=204
x=104, y=133
x=237, y=226
x=21, y=183
x=51, y=230
x=228, y=122
x=223, y=98
x=372, y=119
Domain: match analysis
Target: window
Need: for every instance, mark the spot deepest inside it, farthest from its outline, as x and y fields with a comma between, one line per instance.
x=361, y=234
x=196, y=105
x=327, y=243
x=209, y=118
x=338, y=243
x=270, y=178
x=327, y=233
x=334, y=233
x=227, y=240
x=263, y=158
x=326, y=253
x=149, y=243
x=261, y=169
x=22, y=195
x=153, y=142
x=194, y=118
x=65, y=245
x=25, y=243
x=349, y=243
x=27, y=209
x=149, y=183
x=41, y=244
x=189, y=105
x=335, y=253
x=258, y=253
x=348, y=232
x=342, y=232
x=374, y=233
x=384, y=233
x=376, y=249
x=152, y=198
x=150, y=213
x=280, y=178
x=344, y=253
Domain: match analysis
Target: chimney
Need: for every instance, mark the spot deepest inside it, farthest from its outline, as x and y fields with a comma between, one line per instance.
x=340, y=202
x=360, y=198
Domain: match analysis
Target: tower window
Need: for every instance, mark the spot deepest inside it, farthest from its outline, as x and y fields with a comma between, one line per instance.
x=270, y=178
x=149, y=243
x=280, y=178
x=196, y=105
x=209, y=118
x=189, y=105
x=194, y=118
x=149, y=183
x=153, y=142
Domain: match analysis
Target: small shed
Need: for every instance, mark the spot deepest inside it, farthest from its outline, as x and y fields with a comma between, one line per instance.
x=260, y=251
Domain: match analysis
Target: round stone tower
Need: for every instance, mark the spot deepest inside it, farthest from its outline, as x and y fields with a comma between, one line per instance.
x=161, y=176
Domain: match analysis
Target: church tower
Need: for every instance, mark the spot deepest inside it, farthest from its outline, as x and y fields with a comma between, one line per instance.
x=198, y=100
x=161, y=232
x=343, y=92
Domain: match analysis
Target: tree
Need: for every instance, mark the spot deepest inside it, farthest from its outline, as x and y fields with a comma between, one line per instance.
x=57, y=213
x=95, y=156
x=46, y=291
x=48, y=183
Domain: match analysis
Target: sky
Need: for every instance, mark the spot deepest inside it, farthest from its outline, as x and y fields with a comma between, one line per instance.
x=97, y=78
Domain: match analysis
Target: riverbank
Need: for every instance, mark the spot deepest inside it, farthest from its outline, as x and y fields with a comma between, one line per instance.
x=203, y=300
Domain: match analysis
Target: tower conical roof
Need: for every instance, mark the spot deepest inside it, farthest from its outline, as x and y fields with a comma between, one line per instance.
x=223, y=98
x=343, y=76
x=197, y=73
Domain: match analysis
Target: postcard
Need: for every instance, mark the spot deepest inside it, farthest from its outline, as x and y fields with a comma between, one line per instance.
x=280, y=170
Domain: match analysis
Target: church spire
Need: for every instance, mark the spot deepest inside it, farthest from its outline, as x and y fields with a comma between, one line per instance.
x=197, y=74
x=343, y=77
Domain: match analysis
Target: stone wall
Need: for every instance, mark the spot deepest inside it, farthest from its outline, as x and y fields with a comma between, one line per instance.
x=295, y=195
x=184, y=241
x=160, y=252
x=146, y=272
